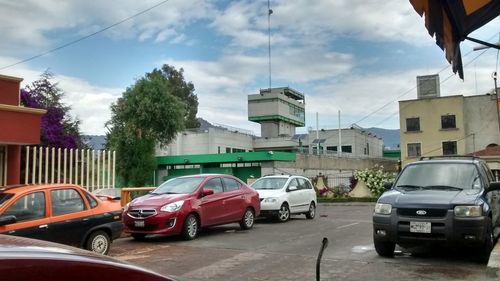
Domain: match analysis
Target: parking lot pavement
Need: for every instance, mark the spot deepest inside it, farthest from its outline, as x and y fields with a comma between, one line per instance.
x=288, y=251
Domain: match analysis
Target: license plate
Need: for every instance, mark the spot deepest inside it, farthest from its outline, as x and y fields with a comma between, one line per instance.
x=139, y=223
x=420, y=227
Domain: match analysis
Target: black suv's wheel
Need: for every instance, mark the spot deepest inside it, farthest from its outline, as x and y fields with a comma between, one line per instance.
x=485, y=251
x=98, y=242
x=191, y=227
x=385, y=249
x=138, y=236
x=284, y=213
x=312, y=211
x=248, y=219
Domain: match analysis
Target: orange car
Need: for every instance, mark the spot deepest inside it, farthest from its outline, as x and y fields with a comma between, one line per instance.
x=61, y=213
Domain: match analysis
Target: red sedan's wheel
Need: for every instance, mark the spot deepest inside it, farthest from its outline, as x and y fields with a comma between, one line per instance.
x=191, y=227
x=248, y=219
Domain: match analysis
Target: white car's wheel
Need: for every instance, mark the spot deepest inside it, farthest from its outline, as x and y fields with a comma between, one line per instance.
x=284, y=213
x=312, y=211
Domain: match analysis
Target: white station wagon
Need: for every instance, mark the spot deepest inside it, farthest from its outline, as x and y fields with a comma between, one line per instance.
x=283, y=195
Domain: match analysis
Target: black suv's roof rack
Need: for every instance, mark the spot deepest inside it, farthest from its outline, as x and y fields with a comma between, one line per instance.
x=467, y=157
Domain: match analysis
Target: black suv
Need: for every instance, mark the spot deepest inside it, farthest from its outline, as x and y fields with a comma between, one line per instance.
x=439, y=200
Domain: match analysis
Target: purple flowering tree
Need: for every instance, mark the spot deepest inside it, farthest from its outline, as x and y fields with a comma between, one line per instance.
x=58, y=129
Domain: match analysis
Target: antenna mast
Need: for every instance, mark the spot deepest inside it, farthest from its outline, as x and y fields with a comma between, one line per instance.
x=269, y=12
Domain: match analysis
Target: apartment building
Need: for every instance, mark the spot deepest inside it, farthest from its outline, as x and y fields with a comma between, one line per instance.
x=432, y=125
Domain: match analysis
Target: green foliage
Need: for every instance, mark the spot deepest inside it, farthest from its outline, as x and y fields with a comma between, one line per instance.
x=136, y=161
x=150, y=112
x=374, y=179
x=184, y=91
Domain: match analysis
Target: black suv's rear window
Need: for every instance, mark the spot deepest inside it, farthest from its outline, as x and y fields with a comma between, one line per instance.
x=459, y=175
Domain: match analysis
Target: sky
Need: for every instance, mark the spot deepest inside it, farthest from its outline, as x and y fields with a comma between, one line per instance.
x=359, y=57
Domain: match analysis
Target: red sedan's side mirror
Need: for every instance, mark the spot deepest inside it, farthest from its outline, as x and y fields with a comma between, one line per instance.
x=207, y=191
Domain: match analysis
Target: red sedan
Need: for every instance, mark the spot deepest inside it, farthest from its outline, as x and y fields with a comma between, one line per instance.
x=183, y=205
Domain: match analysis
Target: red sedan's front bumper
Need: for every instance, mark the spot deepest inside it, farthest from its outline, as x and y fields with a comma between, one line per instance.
x=159, y=223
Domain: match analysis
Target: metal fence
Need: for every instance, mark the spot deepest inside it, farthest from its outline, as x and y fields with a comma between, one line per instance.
x=336, y=180
x=91, y=169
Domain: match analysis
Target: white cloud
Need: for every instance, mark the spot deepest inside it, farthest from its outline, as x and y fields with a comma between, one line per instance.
x=90, y=103
x=302, y=52
x=30, y=23
x=305, y=22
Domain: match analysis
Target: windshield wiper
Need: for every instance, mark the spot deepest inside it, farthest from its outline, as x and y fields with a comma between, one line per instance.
x=161, y=193
x=442, y=187
x=409, y=186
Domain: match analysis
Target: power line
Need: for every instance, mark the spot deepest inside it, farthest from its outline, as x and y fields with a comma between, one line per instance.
x=413, y=88
x=84, y=37
x=441, y=82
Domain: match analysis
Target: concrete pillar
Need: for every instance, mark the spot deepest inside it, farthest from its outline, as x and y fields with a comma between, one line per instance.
x=13, y=164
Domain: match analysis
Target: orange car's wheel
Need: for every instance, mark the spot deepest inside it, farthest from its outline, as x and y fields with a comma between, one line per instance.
x=99, y=242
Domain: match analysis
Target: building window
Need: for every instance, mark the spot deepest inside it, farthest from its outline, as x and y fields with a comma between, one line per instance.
x=347, y=148
x=413, y=124
x=448, y=122
x=449, y=148
x=414, y=150
x=331, y=148
x=218, y=149
x=228, y=150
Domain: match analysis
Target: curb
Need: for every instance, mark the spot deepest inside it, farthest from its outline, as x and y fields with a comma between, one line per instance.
x=347, y=203
x=494, y=261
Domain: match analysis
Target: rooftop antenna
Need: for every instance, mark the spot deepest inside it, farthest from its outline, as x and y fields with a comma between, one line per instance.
x=269, y=12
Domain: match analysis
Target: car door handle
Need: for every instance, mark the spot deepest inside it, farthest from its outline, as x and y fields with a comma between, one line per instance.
x=43, y=226
x=85, y=219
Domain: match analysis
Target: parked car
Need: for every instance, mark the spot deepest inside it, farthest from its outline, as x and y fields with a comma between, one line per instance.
x=30, y=259
x=283, y=195
x=183, y=205
x=452, y=201
x=61, y=213
x=108, y=193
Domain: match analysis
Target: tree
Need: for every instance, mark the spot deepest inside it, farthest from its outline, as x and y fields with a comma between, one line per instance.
x=184, y=91
x=150, y=112
x=58, y=128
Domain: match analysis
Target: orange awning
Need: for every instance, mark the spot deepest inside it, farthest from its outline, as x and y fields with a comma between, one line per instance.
x=450, y=21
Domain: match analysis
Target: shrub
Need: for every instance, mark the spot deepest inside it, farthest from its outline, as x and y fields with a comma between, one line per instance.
x=374, y=179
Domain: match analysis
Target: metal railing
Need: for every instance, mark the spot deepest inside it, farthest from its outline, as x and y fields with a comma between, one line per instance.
x=91, y=169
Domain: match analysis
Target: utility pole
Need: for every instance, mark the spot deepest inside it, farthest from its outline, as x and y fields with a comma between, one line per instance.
x=269, y=12
x=317, y=134
x=339, y=148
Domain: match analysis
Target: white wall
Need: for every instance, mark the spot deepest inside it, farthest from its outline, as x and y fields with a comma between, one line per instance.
x=207, y=142
x=481, y=122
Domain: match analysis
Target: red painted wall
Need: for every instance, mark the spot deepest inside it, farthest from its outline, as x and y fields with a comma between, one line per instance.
x=19, y=127
x=9, y=92
x=13, y=164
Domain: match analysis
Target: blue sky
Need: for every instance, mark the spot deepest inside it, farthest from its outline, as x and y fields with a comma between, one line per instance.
x=353, y=56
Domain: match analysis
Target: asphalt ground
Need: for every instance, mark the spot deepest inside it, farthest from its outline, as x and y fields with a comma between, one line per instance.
x=288, y=251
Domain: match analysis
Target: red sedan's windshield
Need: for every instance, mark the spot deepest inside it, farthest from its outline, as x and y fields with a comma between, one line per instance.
x=179, y=185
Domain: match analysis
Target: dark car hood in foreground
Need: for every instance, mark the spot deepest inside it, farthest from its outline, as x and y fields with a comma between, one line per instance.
x=11, y=246
x=18, y=254
x=432, y=198
x=158, y=200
